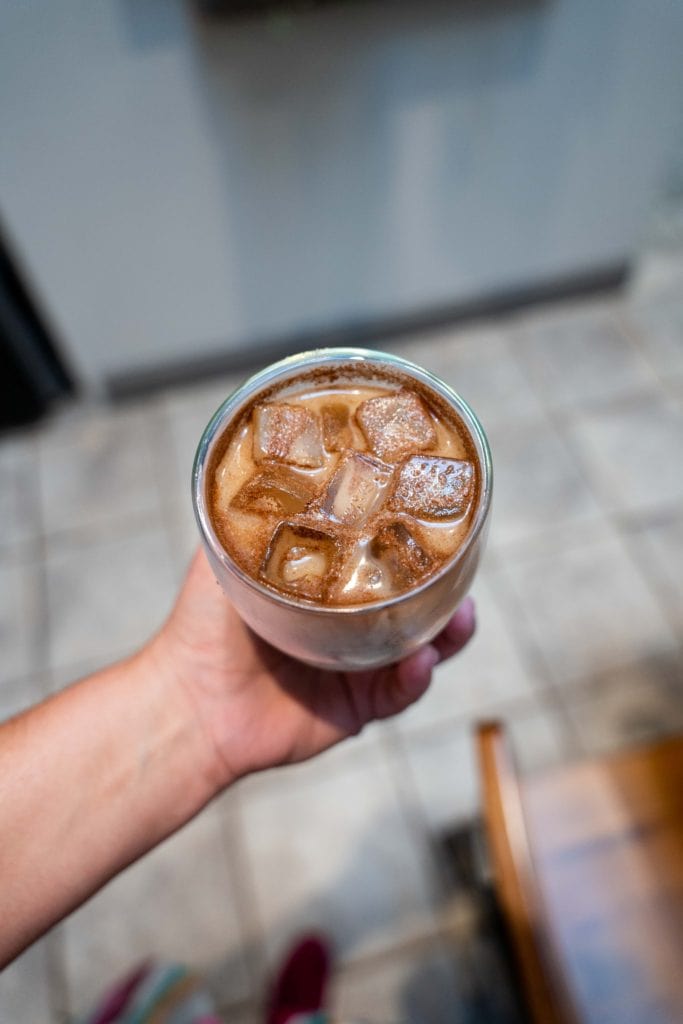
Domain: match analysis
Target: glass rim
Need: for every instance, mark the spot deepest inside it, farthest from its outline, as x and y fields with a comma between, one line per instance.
x=279, y=372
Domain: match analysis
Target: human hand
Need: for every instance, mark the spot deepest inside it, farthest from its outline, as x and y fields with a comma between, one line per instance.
x=258, y=707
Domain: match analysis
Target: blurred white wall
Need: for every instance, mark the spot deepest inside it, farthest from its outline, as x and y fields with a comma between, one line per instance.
x=180, y=186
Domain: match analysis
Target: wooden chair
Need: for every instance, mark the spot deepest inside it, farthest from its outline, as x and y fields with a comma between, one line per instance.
x=588, y=870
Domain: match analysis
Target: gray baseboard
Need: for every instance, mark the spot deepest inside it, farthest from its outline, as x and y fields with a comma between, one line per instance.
x=376, y=333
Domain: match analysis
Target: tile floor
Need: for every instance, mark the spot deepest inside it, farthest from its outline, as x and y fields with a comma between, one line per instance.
x=579, y=649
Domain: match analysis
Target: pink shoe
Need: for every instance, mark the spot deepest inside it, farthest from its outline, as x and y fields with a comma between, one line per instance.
x=301, y=981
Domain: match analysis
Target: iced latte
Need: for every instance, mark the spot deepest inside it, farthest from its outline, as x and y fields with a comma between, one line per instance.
x=342, y=497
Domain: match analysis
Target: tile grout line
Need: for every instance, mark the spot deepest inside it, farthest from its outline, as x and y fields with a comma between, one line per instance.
x=520, y=704
x=232, y=828
x=239, y=1007
x=168, y=484
x=416, y=817
x=107, y=530
x=381, y=957
x=413, y=815
x=650, y=578
x=637, y=337
x=532, y=657
x=261, y=781
x=522, y=549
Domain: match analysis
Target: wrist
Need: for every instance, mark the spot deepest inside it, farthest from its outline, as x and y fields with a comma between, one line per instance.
x=166, y=670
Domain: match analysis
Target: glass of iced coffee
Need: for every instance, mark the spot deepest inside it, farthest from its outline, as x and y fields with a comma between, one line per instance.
x=342, y=497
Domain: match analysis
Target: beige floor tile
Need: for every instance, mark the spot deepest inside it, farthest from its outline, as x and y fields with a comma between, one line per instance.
x=548, y=540
x=307, y=773
x=673, y=386
x=659, y=550
x=183, y=533
x=538, y=487
x=19, y=512
x=587, y=609
x=442, y=764
x=582, y=359
x=633, y=454
x=442, y=760
x=480, y=365
x=657, y=276
x=249, y=1013
x=413, y=986
x=177, y=903
x=489, y=672
x=203, y=398
x=659, y=327
x=19, y=616
x=64, y=675
x=636, y=704
x=106, y=597
x=24, y=989
x=97, y=468
x=539, y=737
x=19, y=694
x=333, y=852
x=186, y=413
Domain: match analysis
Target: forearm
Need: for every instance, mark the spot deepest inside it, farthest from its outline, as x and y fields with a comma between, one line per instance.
x=89, y=781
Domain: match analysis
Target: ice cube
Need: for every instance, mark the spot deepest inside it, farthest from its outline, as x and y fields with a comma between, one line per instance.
x=362, y=579
x=356, y=490
x=336, y=429
x=433, y=488
x=277, y=490
x=289, y=433
x=396, y=549
x=301, y=560
x=396, y=425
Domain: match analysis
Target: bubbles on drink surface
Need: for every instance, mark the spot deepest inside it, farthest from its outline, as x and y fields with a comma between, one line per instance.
x=345, y=495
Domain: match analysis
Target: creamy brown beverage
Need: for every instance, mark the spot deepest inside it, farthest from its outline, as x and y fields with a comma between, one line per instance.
x=344, y=487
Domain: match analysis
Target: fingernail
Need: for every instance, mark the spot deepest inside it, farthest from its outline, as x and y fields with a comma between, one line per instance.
x=464, y=620
x=430, y=658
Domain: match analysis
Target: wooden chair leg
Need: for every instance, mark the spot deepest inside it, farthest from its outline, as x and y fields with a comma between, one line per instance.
x=545, y=989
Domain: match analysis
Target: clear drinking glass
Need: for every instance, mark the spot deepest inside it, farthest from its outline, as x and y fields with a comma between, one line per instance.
x=352, y=637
